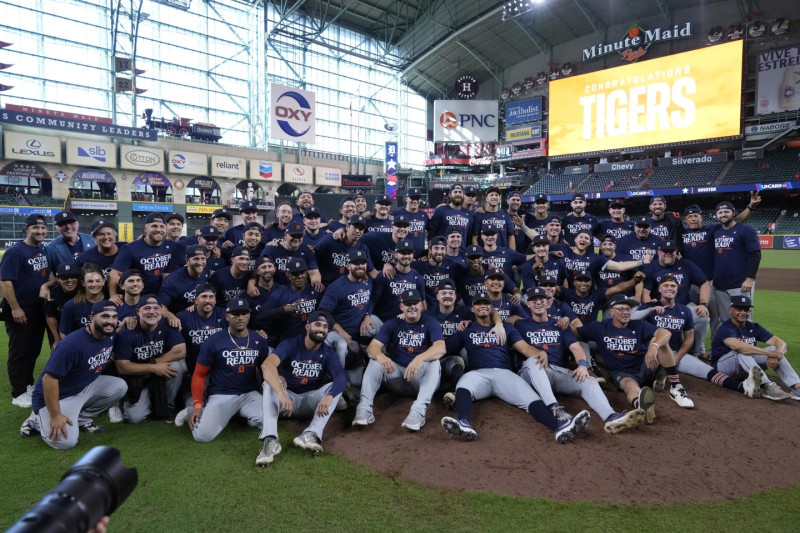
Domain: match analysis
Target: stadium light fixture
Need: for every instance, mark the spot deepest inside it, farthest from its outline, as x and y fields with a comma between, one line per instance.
x=514, y=8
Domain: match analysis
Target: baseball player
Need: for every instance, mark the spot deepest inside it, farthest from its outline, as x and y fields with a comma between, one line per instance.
x=77, y=311
x=491, y=374
x=263, y=283
x=131, y=285
x=380, y=221
x=544, y=333
x=72, y=389
x=578, y=220
x=519, y=219
x=293, y=386
x=233, y=236
x=198, y=325
x=227, y=372
x=496, y=256
x=619, y=225
x=305, y=202
x=106, y=249
x=387, y=292
x=333, y=254
x=347, y=209
x=493, y=216
x=67, y=276
x=542, y=264
x=69, y=243
x=276, y=232
x=176, y=291
x=285, y=312
x=418, y=219
x=435, y=268
x=404, y=356
x=734, y=346
x=231, y=283
x=640, y=243
x=208, y=238
x=472, y=280
x=452, y=214
x=664, y=224
x=381, y=245
x=586, y=301
x=312, y=221
x=291, y=247
x=508, y=307
x=581, y=256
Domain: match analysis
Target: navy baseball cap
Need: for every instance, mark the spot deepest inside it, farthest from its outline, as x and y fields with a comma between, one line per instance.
x=447, y=284
x=469, y=190
x=295, y=228
x=582, y=274
x=693, y=209
x=608, y=237
x=453, y=229
x=540, y=239
x=481, y=296
x=725, y=205
x=312, y=212
x=101, y=306
x=221, y=213
x=578, y=196
x=132, y=273
x=438, y=241
x=553, y=218
x=456, y=186
x=494, y=273
x=512, y=194
x=209, y=232
x=154, y=217
x=97, y=225
x=540, y=199
x=248, y=206
x=357, y=220
x=33, y=220
x=616, y=202
x=195, y=250
x=200, y=288
x=254, y=226
x=320, y=315
x=474, y=251
x=668, y=245
x=383, y=199
x=414, y=192
x=494, y=189
x=345, y=200
x=147, y=299
x=63, y=217
x=410, y=296
x=240, y=250
x=297, y=264
x=174, y=215
x=403, y=246
x=658, y=198
x=357, y=256
x=741, y=301
x=264, y=259
x=548, y=280
x=488, y=227
x=401, y=221
x=68, y=270
x=237, y=304
x=621, y=299
x=536, y=292
x=643, y=221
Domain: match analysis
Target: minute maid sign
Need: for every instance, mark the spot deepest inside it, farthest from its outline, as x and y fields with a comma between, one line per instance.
x=636, y=41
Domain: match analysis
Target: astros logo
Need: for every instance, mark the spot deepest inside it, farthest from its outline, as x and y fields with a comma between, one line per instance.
x=448, y=120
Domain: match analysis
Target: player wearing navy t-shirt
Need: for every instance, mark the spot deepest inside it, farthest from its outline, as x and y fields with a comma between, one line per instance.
x=152, y=255
x=231, y=283
x=380, y=220
x=77, y=311
x=435, y=269
x=664, y=224
x=451, y=215
x=263, y=284
x=227, y=376
x=177, y=291
x=472, y=280
x=198, y=325
x=294, y=387
x=332, y=254
x=275, y=232
x=493, y=216
x=382, y=245
x=508, y=307
x=491, y=374
x=106, y=249
x=233, y=235
x=291, y=247
x=285, y=312
x=387, y=292
x=608, y=278
x=544, y=333
x=131, y=285
x=404, y=355
x=64, y=290
x=618, y=225
x=640, y=243
x=72, y=389
x=496, y=256
x=542, y=265
x=417, y=219
x=578, y=220
x=305, y=204
x=312, y=221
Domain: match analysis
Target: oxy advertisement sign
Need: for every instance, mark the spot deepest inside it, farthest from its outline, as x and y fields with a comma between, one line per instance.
x=265, y=170
x=684, y=97
x=180, y=162
x=330, y=177
x=29, y=147
x=465, y=120
x=302, y=174
x=91, y=153
x=228, y=167
x=141, y=158
x=778, y=81
x=292, y=114
x=528, y=110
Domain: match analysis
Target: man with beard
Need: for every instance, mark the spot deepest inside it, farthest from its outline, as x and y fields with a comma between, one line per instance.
x=586, y=301
x=291, y=247
x=72, y=389
x=275, y=232
x=293, y=387
x=380, y=221
x=493, y=216
x=285, y=312
x=542, y=264
x=543, y=333
x=435, y=269
x=404, y=355
x=735, y=263
x=305, y=201
x=313, y=234
x=23, y=270
x=519, y=219
x=618, y=225
x=151, y=255
x=580, y=257
x=387, y=292
x=150, y=358
x=497, y=256
x=347, y=209
x=417, y=219
x=233, y=235
x=382, y=246
x=231, y=283
x=687, y=275
x=607, y=278
x=227, y=373
x=264, y=283
x=106, y=249
x=70, y=242
x=471, y=281
x=578, y=220
x=640, y=243
x=664, y=224
x=332, y=255
x=176, y=291
x=209, y=235
x=65, y=288
x=506, y=306
x=667, y=313
x=491, y=374
x=452, y=214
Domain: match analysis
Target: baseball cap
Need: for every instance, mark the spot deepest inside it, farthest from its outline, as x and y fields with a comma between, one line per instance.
x=741, y=301
x=320, y=315
x=240, y=250
x=488, y=227
x=312, y=212
x=668, y=279
x=621, y=299
x=195, y=250
x=481, y=296
x=414, y=192
x=345, y=200
x=68, y=270
x=579, y=196
x=33, y=220
x=438, y=241
x=409, y=296
x=383, y=199
x=552, y=218
x=295, y=228
x=540, y=239
x=403, y=246
x=248, y=206
x=357, y=256
x=264, y=259
x=221, y=213
x=643, y=221
x=469, y=190
x=400, y=221
x=208, y=231
x=494, y=189
x=548, y=280
x=474, y=251
x=512, y=194
x=582, y=274
x=237, y=304
x=453, y=229
x=254, y=226
x=297, y=264
x=494, y=273
x=537, y=292
x=693, y=209
x=616, y=202
x=447, y=284
x=97, y=225
x=101, y=306
x=64, y=216
x=725, y=205
x=456, y=186
x=608, y=237
x=357, y=220
x=147, y=299
x=154, y=217
x=200, y=288
x=176, y=216
x=132, y=273
x=658, y=198
x=668, y=245
x=540, y=199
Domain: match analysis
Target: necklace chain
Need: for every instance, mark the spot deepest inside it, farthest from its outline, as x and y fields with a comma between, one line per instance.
x=237, y=345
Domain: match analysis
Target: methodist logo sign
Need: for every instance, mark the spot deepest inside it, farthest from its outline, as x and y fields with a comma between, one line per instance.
x=679, y=98
x=293, y=114
x=529, y=110
x=465, y=120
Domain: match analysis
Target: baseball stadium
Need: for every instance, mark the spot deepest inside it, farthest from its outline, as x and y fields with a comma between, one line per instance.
x=508, y=255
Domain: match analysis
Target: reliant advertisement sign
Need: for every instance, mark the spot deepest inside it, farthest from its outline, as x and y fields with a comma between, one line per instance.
x=228, y=167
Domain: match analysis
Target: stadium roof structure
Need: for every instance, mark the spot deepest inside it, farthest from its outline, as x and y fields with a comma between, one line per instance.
x=432, y=42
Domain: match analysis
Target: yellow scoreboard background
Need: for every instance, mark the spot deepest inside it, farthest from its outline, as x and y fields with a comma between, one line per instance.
x=683, y=97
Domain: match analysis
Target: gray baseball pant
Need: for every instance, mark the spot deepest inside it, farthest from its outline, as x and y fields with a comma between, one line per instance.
x=501, y=383
x=219, y=410
x=96, y=398
x=304, y=406
x=336, y=341
x=562, y=382
x=135, y=413
x=721, y=303
x=693, y=366
x=733, y=361
x=423, y=386
x=538, y=378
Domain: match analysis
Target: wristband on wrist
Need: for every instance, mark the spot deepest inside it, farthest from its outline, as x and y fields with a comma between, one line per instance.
x=655, y=344
x=198, y=405
x=641, y=262
x=583, y=363
x=703, y=304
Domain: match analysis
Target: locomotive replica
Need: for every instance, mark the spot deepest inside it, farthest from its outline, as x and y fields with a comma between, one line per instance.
x=182, y=127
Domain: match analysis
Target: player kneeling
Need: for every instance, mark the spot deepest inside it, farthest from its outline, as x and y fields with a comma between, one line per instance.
x=293, y=375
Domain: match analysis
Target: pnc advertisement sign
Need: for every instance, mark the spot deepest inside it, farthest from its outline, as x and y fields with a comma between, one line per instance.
x=465, y=120
x=683, y=97
x=292, y=115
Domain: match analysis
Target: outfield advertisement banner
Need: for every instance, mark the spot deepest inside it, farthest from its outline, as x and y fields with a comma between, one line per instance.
x=683, y=97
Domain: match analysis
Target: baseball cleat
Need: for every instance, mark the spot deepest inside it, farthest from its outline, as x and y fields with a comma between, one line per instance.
x=459, y=428
x=570, y=429
x=449, y=400
x=618, y=422
x=752, y=385
x=771, y=391
x=24, y=400
x=795, y=394
x=647, y=403
x=560, y=414
x=91, y=427
x=414, y=421
x=269, y=450
x=180, y=419
x=30, y=428
x=660, y=383
x=308, y=440
x=363, y=418
x=341, y=404
x=678, y=393
x=115, y=415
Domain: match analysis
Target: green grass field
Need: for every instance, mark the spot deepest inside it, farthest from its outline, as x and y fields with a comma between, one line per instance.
x=186, y=486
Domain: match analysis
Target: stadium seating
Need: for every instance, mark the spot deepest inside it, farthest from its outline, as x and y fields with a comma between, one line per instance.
x=614, y=180
x=8, y=199
x=43, y=201
x=790, y=225
x=778, y=166
x=685, y=175
x=554, y=184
